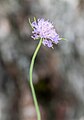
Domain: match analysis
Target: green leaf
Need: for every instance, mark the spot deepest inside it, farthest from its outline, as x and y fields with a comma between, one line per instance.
x=35, y=19
x=63, y=39
x=30, y=23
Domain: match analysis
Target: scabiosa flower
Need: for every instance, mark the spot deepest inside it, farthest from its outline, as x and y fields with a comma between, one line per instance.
x=43, y=29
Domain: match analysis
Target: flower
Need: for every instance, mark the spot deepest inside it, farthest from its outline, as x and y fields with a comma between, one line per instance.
x=43, y=29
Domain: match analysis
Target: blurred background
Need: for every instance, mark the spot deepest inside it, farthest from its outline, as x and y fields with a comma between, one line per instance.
x=58, y=74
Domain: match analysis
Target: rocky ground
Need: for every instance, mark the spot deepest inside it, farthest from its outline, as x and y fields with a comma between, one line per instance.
x=58, y=74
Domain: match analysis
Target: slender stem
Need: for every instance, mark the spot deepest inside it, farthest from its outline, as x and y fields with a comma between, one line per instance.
x=31, y=82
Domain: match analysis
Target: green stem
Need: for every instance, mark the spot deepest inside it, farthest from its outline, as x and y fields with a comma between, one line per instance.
x=31, y=82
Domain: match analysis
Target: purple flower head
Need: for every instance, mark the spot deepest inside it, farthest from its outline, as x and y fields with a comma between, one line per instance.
x=43, y=29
